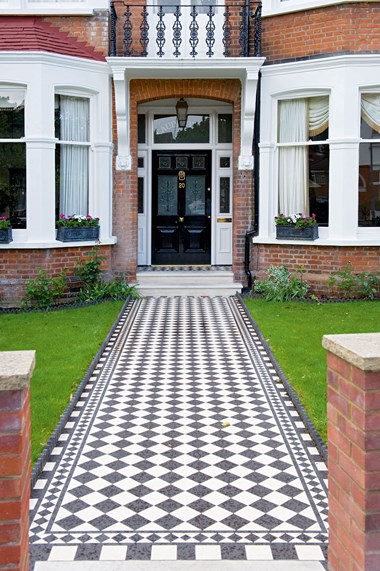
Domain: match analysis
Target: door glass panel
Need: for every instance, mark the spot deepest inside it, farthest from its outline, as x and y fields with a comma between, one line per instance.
x=140, y=188
x=224, y=205
x=167, y=195
x=195, y=195
x=166, y=129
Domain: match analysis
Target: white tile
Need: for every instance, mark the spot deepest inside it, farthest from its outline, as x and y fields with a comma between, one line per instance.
x=207, y=552
x=309, y=552
x=40, y=484
x=164, y=553
x=113, y=553
x=258, y=552
x=63, y=553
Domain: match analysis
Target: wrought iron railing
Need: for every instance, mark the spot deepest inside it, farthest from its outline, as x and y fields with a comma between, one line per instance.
x=161, y=30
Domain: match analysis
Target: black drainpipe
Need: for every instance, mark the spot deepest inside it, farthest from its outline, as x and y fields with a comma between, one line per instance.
x=256, y=179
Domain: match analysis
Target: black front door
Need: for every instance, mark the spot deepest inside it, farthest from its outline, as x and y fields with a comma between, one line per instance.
x=181, y=220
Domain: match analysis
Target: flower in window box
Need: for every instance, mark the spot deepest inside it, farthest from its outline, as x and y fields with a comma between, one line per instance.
x=296, y=227
x=5, y=230
x=77, y=228
x=76, y=221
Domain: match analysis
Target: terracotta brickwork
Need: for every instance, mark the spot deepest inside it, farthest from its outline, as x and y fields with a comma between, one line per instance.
x=91, y=30
x=14, y=479
x=317, y=261
x=124, y=257
x=354, y=465
x=16, y=266
x=347, y=28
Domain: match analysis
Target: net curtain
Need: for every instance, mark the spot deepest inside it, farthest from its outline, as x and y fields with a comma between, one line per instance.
x=74, y=122
x=298, y=120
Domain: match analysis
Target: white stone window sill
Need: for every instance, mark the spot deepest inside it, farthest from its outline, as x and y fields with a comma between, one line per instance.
x=317, y=242
x=55, y=244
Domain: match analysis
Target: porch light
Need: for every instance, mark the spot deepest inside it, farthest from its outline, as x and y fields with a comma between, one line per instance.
x=181, y=111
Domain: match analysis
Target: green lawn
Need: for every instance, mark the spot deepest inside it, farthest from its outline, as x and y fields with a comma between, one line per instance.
x=65, y=341
x=294, y=332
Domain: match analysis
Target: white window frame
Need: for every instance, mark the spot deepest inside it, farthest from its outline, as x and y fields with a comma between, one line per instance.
x=89, y=144
x=363, y=91
x=303, y=144
x=22, y=89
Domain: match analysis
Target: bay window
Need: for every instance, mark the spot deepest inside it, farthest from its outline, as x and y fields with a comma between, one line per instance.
x=303, y=152
x=369, y=161
x=72, y=128
x=13, y=156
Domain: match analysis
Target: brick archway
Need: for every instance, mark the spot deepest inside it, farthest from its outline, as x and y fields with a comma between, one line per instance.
x=125, y=187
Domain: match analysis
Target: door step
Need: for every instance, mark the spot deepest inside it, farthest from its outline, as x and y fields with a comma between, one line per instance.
x=171, y=282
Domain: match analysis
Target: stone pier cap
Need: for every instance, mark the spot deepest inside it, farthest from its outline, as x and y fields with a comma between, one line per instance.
x=16, y=369
x=362, y=350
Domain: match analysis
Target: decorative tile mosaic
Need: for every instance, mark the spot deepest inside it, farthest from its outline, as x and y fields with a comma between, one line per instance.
x=183, y=445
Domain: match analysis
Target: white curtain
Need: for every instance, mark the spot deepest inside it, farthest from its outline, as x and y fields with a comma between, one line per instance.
x=74, y=121
x=299, y=119
x=371, y=110
x=318, y=115
x=293, y=160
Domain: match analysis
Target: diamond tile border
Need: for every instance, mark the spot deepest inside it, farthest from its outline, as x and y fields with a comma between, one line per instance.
x=197, y=544
x=97, y=362
x=275, y=368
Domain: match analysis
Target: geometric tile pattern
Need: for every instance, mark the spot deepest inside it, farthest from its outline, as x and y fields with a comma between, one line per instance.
x=183, y=443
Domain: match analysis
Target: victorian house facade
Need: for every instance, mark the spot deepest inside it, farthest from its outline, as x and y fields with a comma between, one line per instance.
x=281, y=113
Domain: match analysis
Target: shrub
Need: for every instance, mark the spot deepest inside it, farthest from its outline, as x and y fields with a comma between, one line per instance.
x=89, y=271
x=42, y=291
x=281, y=285
x=350, y=284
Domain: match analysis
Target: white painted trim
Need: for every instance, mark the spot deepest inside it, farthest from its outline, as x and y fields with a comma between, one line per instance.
x=320, y=65
x=58, y=60
x=319, y=242
x=46, y=7
x=280, y=7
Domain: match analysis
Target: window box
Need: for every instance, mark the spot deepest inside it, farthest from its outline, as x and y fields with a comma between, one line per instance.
x=5, y=236
x=79, y=234
x=290, y=232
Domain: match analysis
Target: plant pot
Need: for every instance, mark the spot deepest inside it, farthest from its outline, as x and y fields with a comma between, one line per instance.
x=6, y=236
x=80, y=234
x=290, y=232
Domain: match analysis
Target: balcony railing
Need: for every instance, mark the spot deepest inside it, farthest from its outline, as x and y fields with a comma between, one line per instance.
x=177, y=30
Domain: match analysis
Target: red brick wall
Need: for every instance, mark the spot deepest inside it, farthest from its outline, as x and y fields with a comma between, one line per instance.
x=16, y=266
x=124, y=258
x=14, y=479
x=318, y=261
x=92, y=30
x=354, y=467
x=347, y=28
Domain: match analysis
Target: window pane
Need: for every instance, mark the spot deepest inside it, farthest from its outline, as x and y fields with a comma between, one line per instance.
x=11, y=114
x=224, y=195
x=167, y=195
x=140, y=188
x=319, y=183
x=166, y=129
x=369, y=184
x=225, y=162
x=13, y=183
x=72, y=116
x=304, y=169
x=368, y=132
x=225, y=128
x=141, y=138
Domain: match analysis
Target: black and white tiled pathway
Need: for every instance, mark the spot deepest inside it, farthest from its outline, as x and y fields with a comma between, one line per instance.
x=183, y=446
